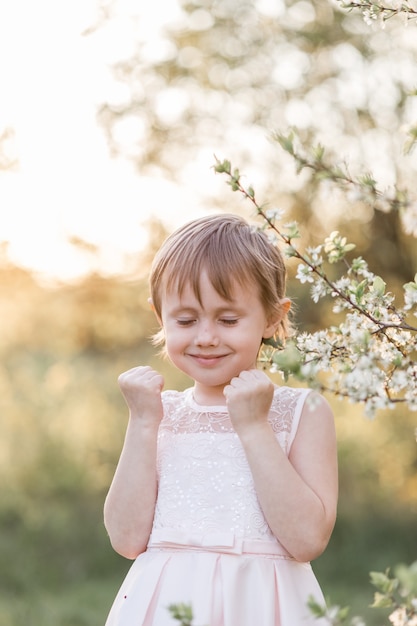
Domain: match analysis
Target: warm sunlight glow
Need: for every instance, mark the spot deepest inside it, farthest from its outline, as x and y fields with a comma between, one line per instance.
x=65, y=186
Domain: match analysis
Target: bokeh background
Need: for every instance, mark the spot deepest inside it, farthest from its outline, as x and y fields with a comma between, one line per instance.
x=110, y=116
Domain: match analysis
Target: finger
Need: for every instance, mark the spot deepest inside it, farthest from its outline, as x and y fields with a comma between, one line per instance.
x=237, y=381
x=229, y=390
x=257, y=375
x=245, y=375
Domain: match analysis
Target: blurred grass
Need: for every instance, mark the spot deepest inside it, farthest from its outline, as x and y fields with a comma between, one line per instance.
x=82, y=604
x=62, y=422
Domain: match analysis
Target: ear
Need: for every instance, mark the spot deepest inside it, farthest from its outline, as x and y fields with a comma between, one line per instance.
x=272, y=325
x=150, y=301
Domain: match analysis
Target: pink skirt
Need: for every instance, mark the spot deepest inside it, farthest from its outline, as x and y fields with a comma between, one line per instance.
x=224, y=586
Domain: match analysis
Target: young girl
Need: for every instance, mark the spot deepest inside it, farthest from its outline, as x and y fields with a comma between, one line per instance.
x=225, y=491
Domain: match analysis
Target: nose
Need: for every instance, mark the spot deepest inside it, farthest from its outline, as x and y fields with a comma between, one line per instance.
x=206, y=334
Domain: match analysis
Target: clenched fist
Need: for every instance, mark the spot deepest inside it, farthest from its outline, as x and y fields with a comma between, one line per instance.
x=248, y=398
x=141, y=388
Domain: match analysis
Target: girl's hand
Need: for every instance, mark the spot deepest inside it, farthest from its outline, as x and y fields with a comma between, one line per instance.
x=141, y=388
x=248, y=398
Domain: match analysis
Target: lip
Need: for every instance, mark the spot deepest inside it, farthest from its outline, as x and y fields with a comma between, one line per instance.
x=207, y=360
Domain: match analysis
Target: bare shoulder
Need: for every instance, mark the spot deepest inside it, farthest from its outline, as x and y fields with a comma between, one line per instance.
x=316, y=407
x=316, y=431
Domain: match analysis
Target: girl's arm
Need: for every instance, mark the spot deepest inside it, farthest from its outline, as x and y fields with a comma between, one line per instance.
x=298, y=495
x=130, y=504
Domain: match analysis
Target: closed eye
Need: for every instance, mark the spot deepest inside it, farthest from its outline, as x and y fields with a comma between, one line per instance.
x=185, y=322
x=228, y=321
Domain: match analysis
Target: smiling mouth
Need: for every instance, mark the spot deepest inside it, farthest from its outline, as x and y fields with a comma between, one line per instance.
x=207, y=359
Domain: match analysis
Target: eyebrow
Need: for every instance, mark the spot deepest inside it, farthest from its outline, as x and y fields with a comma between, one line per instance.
x=194, y=311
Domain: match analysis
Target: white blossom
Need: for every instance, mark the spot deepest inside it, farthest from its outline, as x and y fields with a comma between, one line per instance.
x=275, y=214
x=305, y=274
x=400, y=618
x=273, y=238
x=315, y=255
x=368, y=357
x=369, y=16
x=319, y=290
x=410, y=294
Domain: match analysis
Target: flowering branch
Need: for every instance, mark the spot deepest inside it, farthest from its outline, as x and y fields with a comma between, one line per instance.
x=369, y=356
x=384, y=11
x=362, y=188
x=397, y=593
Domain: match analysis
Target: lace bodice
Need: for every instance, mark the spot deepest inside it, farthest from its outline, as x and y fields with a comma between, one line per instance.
x=205, y=484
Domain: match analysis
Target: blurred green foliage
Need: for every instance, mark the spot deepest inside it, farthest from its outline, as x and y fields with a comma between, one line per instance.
x=62, y=423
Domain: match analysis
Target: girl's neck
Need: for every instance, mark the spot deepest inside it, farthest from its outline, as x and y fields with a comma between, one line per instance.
x=209, y=396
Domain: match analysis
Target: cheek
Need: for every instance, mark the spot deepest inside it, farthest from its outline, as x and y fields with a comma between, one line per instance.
x=171, y=349
x=175, y=351
x=174, y=340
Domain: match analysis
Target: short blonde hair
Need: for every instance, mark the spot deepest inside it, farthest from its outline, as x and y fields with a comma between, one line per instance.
x=230, y=251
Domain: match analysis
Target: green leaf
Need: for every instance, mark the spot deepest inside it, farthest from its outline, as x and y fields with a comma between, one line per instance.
x=382, y=601
x=378, y=286
x=286, y=142
x=367, y=180
x=318, y=152
x=360, y=290
x=182, y=612
x=383, y=582
x=343, y=613
x=290, y=251
x=316, y=609
x=411, y=286
x=274, y=343
x=222, y=167
x=289, y=359
x=407, y=579
x=292, y=230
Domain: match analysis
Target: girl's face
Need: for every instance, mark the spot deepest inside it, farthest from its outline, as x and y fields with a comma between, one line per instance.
x=216, y=340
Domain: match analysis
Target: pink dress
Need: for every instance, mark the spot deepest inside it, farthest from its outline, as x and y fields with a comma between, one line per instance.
x=211, y=546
